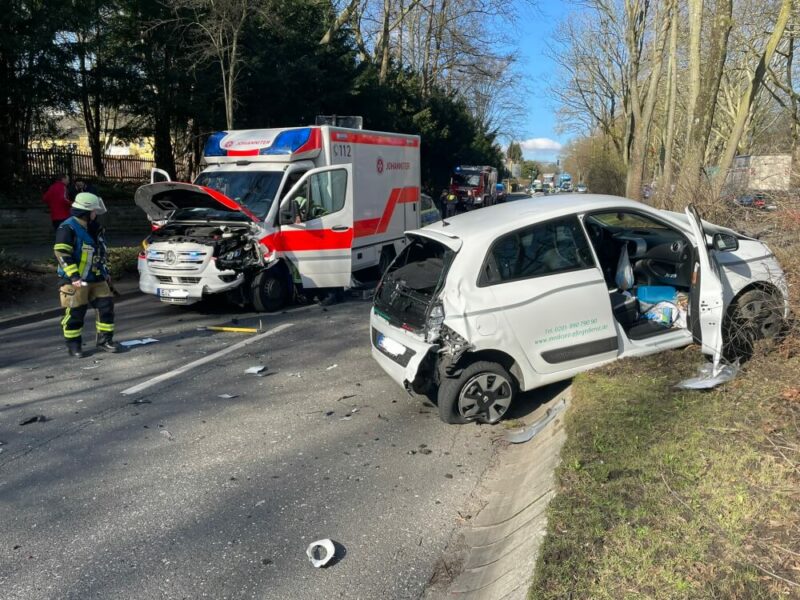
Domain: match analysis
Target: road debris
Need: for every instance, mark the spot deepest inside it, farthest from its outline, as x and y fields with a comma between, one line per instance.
x=167, y=435
x=708, y=377
x=34, y=419
x=228, y=396
x=526, y=434
x=331, y=367
x=141, y=342
x=231, y=329
x=321, y=552
x=255, y=370
x=141, y=401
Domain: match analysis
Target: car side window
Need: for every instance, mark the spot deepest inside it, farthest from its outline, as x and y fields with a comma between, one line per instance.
x=543, y=249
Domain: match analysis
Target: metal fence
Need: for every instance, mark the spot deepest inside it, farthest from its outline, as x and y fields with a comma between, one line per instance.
x=47, y=164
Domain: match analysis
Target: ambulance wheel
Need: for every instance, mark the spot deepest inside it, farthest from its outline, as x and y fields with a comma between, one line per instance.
x=269, y=290
x=482, y=392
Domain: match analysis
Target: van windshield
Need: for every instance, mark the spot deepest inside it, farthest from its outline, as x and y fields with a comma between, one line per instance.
x=255, y=190
x=412, y=282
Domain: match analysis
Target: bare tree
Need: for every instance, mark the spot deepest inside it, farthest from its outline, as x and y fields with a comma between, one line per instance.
x=221, y=24
x=751, y=92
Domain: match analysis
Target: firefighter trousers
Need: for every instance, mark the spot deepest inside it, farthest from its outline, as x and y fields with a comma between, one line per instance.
x=77, y=300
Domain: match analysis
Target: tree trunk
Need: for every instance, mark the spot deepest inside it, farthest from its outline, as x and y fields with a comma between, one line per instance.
x=383, y=45
x=91, y=116
x=695, y=30
x=339, y=22
x=703, y=114
x=641, y=133
x=748, y=97
x=669, y=143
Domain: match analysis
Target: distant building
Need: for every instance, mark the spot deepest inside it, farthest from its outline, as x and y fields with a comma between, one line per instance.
x=764, y=173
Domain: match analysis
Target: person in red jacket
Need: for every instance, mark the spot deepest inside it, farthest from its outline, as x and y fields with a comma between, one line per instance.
x=57, y=199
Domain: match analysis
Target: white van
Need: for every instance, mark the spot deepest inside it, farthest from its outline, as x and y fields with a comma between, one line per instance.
x=279, y=210
x=516, y=296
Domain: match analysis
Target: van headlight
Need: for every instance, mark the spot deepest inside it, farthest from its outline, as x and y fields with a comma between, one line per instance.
x=433, y=326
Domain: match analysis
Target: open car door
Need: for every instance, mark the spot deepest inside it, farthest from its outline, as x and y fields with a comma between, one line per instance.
x=316, y=227
x=707, y=292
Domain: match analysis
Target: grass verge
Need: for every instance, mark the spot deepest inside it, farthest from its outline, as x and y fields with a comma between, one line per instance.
x=668, y=494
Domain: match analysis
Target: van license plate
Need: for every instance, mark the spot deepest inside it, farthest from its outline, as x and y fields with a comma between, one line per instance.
x=166, y=293
x=392, y=347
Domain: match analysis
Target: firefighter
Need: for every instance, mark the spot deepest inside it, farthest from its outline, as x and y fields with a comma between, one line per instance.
x=450, y=210
x=80, y=249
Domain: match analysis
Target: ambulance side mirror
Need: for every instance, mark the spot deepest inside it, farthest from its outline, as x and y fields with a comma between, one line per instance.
x=288, y=213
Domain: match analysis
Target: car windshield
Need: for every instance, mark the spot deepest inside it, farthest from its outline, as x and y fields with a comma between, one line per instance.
x=471, y=179
x=255, y=190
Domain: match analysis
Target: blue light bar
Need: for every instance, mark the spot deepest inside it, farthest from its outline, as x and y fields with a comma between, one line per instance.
x=213, y=147
x=288, y=141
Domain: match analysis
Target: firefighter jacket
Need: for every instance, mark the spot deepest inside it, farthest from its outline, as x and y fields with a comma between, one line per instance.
x=81, y=251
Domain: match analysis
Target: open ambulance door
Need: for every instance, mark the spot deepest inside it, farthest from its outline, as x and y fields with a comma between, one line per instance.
x=316, y=227
x=707, y=292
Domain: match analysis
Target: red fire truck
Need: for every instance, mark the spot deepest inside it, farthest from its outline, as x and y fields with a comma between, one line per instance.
x=474, y=186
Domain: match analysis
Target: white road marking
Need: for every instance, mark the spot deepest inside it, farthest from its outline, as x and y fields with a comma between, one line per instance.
x=206, y=359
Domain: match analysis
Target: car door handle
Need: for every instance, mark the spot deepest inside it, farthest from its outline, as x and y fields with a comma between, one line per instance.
x=340, y=228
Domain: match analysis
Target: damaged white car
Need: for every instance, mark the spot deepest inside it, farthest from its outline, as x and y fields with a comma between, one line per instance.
x=487, y=304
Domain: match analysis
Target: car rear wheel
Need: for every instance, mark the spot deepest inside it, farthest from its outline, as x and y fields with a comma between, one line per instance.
x=269, y=290
x=482, y=392
x=756, y=315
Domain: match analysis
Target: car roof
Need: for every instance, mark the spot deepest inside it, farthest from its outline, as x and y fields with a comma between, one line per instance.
x=494, y=220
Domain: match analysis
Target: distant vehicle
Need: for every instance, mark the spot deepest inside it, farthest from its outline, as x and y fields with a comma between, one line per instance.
x=758, y=200
x=428, y=213
x=582, y=189
x=502, y=195
x=565, y=182
x=474, y=186
x=536, y=186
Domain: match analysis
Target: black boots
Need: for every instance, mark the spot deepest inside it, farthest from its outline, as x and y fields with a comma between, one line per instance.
x=106, y=343
x=74, y=348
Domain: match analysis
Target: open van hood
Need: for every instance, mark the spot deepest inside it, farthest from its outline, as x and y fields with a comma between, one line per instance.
x=160, y=199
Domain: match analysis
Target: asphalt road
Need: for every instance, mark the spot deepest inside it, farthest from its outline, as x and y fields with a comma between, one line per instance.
x=174, y=492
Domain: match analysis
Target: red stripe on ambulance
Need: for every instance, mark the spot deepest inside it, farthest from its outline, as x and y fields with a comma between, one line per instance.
x=367, y=227
x=311, y=239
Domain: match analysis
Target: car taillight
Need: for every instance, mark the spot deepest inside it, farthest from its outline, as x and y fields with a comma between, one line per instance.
x=433, y=326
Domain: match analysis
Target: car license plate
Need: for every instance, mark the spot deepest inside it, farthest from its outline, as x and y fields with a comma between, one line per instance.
x=167, y=293
x=392, y=347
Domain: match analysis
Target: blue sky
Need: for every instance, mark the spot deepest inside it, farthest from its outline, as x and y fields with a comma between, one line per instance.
x=535, y=26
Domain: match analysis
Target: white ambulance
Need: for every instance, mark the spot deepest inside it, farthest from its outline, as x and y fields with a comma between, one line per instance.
x=279, y=211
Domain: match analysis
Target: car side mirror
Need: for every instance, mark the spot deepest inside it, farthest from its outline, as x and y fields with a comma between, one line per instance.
x=725, y=242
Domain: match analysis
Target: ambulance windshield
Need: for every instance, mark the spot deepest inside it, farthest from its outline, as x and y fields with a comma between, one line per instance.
x=254, y=190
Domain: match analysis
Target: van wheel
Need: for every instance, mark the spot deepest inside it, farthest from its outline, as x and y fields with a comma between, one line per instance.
x=482, y=392
x=269, y=291
x=755, y=315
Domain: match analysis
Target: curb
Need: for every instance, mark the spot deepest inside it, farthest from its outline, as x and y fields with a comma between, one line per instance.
x=51, y=312
x=503, y=540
